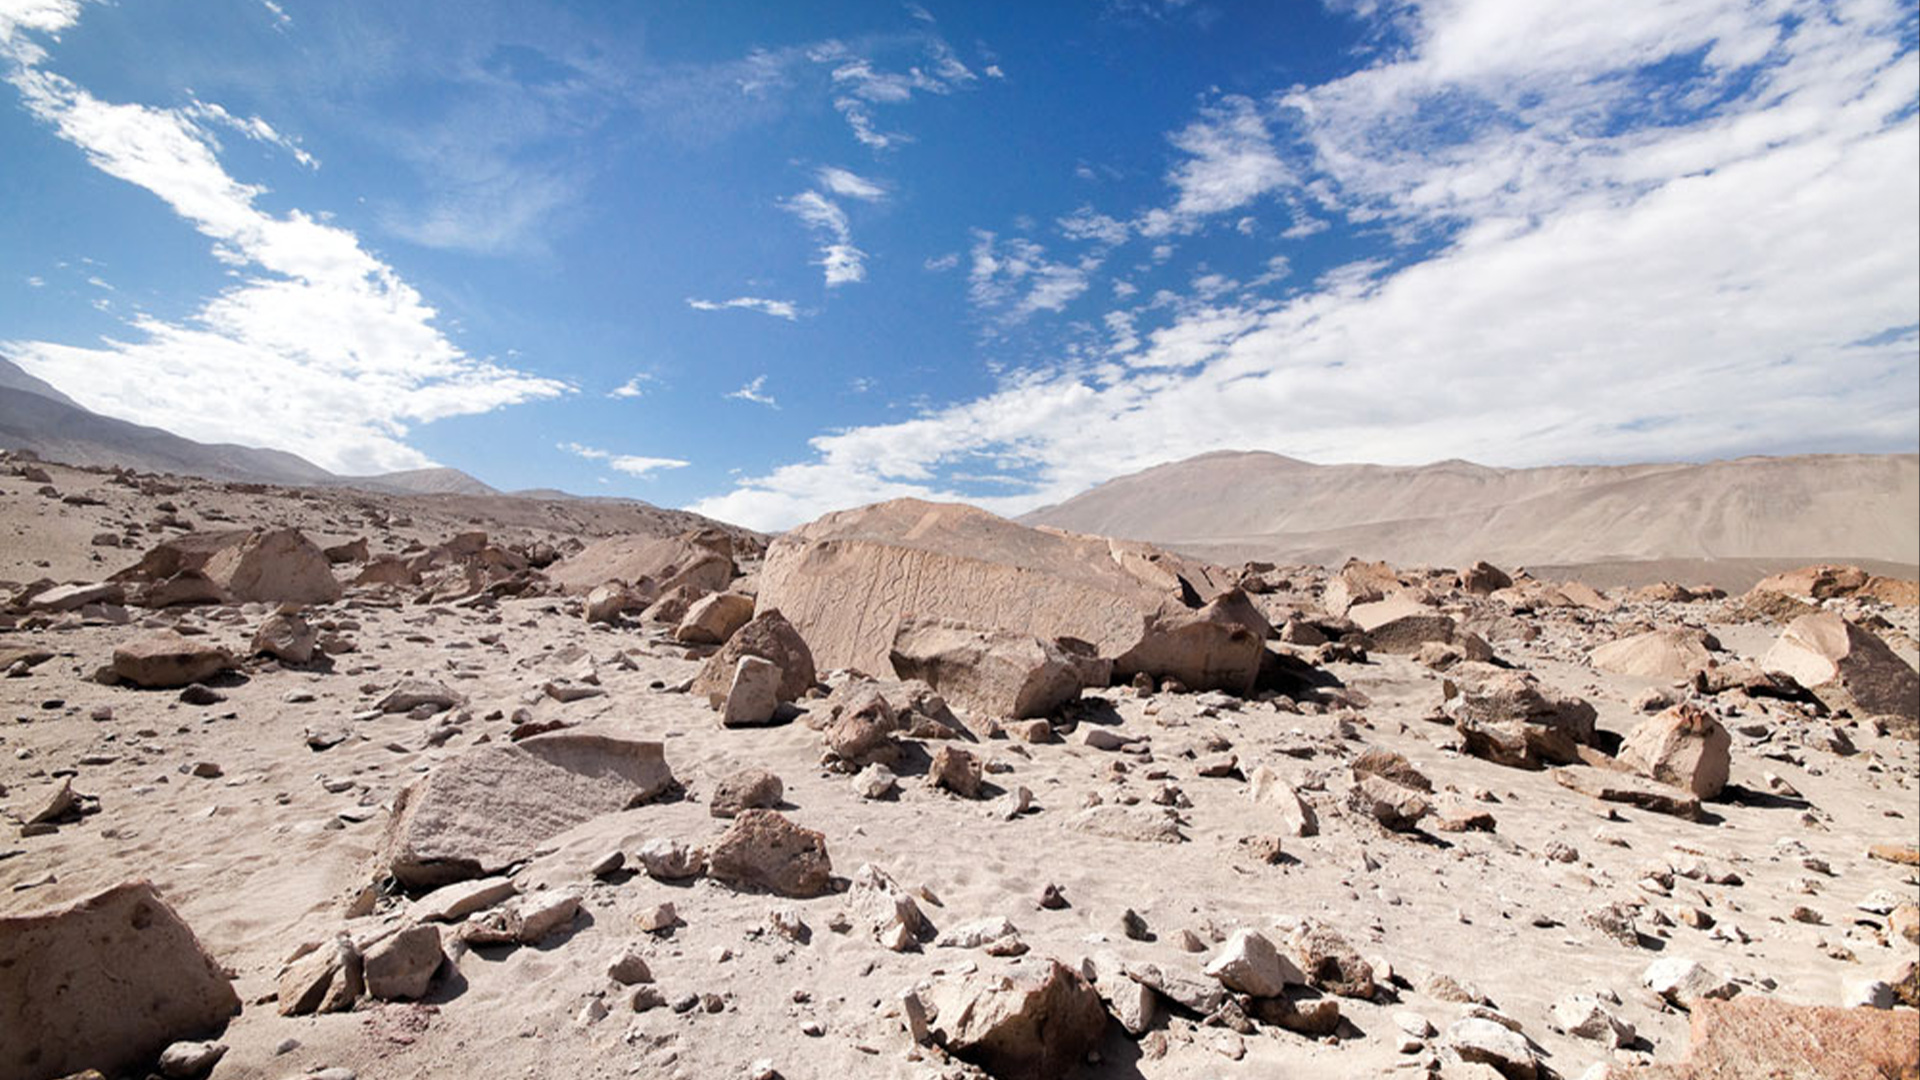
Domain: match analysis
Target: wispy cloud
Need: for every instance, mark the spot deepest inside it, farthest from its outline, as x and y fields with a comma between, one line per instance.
x=860, y=83
x=631, y=464
x=1087, y=224
x=779, y=309
x=323, y=350
x=207, y=112
x=843, y=263
x=1014, y=278
x=634, y=387
x=755, y=392
x=1230, y=160
x=850, y=185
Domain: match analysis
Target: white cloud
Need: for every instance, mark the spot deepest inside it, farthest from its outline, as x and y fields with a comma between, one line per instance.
x=1734, y=276
x=252, y=127
x=631, y=464
x=754, y=391
x=779, y=309
x=843, y=263
x=1014, y=278
x=634, y=387
x=1086, y=224
x=859, y=84
x=1231, y=160
x=940, y=264
x=323, y=350
x=281, y=19
x=850, y=185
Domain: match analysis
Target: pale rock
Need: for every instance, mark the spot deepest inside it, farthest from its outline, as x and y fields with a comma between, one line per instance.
x=1683, y=746
x=400, y=967
x=666, y=859
x=166, y=660
x=1685, y=982
x=988, y=672
x=747, y=789
x=1845, y=666
x=1479, y=1040
x=753, y=697
x=1249, y=964
x=715, y=618
x=769, y=636
x=763, y=850
x=1028, y=1027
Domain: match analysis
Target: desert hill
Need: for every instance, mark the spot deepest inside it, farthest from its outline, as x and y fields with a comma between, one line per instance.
x=1750, y=513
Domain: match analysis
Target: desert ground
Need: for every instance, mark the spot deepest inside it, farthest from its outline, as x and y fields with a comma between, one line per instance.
x=1347, y=866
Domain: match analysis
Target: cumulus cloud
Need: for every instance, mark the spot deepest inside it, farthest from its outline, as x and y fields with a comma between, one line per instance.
x=634, y=387
x=1732, y=274
x=321, y=348
x=631, y=464
x=1230, y=161
x=779, y=309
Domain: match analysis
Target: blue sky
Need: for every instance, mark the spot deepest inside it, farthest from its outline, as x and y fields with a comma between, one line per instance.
x=769, y=259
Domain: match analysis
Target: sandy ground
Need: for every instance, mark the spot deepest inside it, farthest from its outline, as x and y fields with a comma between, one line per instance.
x=267, y=855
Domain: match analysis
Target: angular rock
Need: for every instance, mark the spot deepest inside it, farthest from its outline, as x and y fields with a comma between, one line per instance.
x=1754, y=1036
x=410, y=694
x=1400, y=625
x=106, y=982
x=1586, y=1017
x=400, y=967
x=1609, y=786
x=165, y=660
x=264, y=565
x=1484, y=579
x=74, y=597
x=1476, y=1039
x=1219, y=646
x=1508, y=718
x=451, y=903
x=956, y=770
x=542, y=915
x=1685, y=982
x=1667, y=655
x=608, y=601
x=713, y=619
x=990, y=673
x=753, y=694
x=1388, y=765
x=702, y=559
x=184, y=1060
x=1328, y=962
x=862, y=734
x=1266, y=788
x=1683, y=746
x=1249, y=964
x=763, y=850
x=1820, y=582
x=353, y=551
x=1034, y=1027
x=666, y=859
x=287, y=637
x=1132, y=1003
x=490, y=806
x=887, y=912
x=1845, y=666
x=1395, y=807
x=770, y=637
x=747, y=789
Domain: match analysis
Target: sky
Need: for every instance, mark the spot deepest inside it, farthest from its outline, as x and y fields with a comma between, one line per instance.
x=768, y=260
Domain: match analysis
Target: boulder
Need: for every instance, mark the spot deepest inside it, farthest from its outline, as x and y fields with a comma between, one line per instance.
x=1357, y=583
x=1483, y=579
x=753, y=697
x=862, y=733
x=1682, y=746
x=608, y=601
x=490, y=806
x=165, y=660
x=387, y=570
x=1666, y=655
x=1266, y=788
x=1820, y=582
x=400, y=967
x=1686, y=982
x=763, y=850
x=287, y=637
x=410, y=694
x=887, y=912
x=1400, y=625
x=849, y=579
x=264, y=565
x=702, y=560
x=1477, y=1039
x=1395, y=807
x=990, y=673
x=74, y=597
x=713, y=619
x=1035, y=1026
x=1249, y=964
x=747, y=789
x=957, y=770
x=1845, y=666
x=353, y=551
x=672, y=606
x=1767, y=1037
x=1617, y=787
x=1328, y=962
x=1507, y=717
x=768, y=636
x=1218, y=646
x=106, y=982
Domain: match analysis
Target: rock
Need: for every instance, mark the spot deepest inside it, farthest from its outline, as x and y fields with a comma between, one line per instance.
x=1265, y=788
x=324, y=980
x=1219, y=646
x=1685, y=982
x=452, y=903
x=1395, y=807
x=1682, y=746
x=1766, y=1037
x=657, y=918
x=1202, y=996
x=488, y=807
x=670, y=860
x=1328, y=962
x=184, y=1060
x=1667, y=655
x=1508, y=718
x=630, y=969
x=1138, y=823
x=166, y=660
x=1860, y=992
x=1034, y=1027
x=1608, y=786
x=400, y=967
x=887, y=913
x=74, y=597
x=542, y=915
x=849, y=579
x=269, y=566
x=1249, y=964
x=1845, y=666
x=1903, y=854
x=1587, y=1017
x=1821, y=582
x=763, y=850
x=862, y=733
x=980, y=933
x=286, y=637
x=770, y=637
x=701, y=560
x=1475, y=1039
x=1358, y=583
x=1904, y=922
x=876, y=781
x=1483, y=579
x=105, y=982
x=753, y=695
x=990, y=673
x=353, y=551
x=1132, y=1003
x=608, y=601
x=956, y=770
x=1393, y=767
x=1400, y=625
x=711, y=620
x=410, y=694
x=747, y=789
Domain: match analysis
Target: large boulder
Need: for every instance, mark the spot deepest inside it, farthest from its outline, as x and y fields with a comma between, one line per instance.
x=1032, y=1027
x=105, y=983
x=1667, y=655
x=164, y=660
x=1358, y=583
x=763, y=850
x=850, y=579
x=491, y=806
x=987, y=672
x=713, y=619
x=770, y=637
x=265, y=565
x=702, y=560
x=1683, y=746
x=1508, y=717
x=1845, y=666
x=1218, y=646
x=1754, y=1035
x=1822, y=582
x=1399, y=624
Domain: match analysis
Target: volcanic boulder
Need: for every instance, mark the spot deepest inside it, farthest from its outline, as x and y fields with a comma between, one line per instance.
x=770, y=637
x=1508, y=717
x=1683, y=746
x=987, y=672
x=1845, y=666
x=1032, y=1027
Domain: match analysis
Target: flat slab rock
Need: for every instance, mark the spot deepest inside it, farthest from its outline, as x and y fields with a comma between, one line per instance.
x=491, y=806
x=105, y=983
x=1762, y=1036
x=1618, y=787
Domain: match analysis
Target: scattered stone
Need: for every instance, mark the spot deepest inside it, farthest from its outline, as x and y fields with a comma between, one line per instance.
x=763, y=850
x=184, y=1060
x=1476, y=1039
x=956, y=770
x=1684, y=982
x=1328, y=962
x=1266, y=788
x=1508, y=718
x=876, y=781
x=629, y=969
x=770, y=637
x=286, y=637
x=1396, y=808
x=324, y=980
x=1668, y=655
x=657, y=918
x=422, y=694
x=1615, y=787
x=1587, y=1017
x=748, y=789
x=452, y=903
x=666, y=859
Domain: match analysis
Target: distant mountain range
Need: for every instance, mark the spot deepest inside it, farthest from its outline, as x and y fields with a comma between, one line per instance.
x=1233, y=506
x=36, y=416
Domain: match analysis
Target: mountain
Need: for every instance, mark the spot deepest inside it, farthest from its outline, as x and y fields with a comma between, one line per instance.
x=1232, y=506
x=35, y=416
